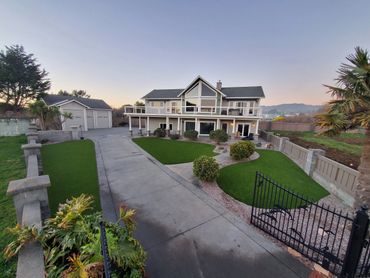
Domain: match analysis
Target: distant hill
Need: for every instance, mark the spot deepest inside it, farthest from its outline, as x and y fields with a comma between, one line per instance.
x=290, y=108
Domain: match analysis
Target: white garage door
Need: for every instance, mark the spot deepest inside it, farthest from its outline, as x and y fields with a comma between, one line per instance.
x=103, y=119
x=90, y=119
x=77, y=119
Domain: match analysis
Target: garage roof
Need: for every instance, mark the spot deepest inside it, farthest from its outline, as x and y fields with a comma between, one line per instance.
x=89, y=102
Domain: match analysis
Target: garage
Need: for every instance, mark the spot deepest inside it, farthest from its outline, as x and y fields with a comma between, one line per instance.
x=86, y=113
x=103, y=119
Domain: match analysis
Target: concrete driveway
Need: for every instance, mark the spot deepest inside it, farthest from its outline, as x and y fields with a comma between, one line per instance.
x=184, y=231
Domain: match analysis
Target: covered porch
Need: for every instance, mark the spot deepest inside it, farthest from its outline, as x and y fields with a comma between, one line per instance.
x=235, y=127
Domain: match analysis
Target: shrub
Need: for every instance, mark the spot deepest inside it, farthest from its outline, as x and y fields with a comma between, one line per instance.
x=174, y=136
x=206, y=168
x=218, y=135
x=191, y=134
x=71, y=242
x=242, y=149
x=159, y=132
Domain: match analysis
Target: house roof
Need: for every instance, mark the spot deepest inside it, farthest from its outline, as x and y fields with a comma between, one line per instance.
x=243, y=92
x=89, y=102
x=163, y=93
x=229, y=92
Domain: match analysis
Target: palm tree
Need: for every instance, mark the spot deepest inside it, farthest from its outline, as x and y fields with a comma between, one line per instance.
x=351, y=109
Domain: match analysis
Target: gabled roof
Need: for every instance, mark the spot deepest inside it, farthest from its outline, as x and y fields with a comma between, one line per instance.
x=195, y=81
x=250, y=92
x=58, y=100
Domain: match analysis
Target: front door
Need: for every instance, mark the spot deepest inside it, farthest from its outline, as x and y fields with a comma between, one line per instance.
x=243, y=130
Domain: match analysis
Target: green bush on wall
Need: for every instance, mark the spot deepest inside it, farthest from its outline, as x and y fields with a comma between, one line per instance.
x=218, y=135
x=191, y=134
x=159, y=132
x=242, y=149
x=206, y=168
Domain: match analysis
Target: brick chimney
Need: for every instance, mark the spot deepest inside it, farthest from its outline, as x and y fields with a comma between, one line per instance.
x=219, y=85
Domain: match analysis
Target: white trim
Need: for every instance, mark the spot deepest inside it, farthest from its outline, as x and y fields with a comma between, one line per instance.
x=95, y=119
x=62, y=118
x=72, y=100
x=85, y=119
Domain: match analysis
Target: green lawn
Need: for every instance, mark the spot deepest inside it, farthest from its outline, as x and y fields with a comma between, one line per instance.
x=238, y=180
x=330, y=142
x=174, y=152
x=12, y=167
x=72, y=170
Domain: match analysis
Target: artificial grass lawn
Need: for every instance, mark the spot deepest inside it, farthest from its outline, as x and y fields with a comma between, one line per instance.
x=330, y=142
x=238, y=180
x=174, y=152
x=72, y=170
x=12, y=167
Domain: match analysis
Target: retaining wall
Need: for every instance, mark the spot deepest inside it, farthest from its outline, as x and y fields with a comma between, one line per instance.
x=12, y=127
x=338, y=179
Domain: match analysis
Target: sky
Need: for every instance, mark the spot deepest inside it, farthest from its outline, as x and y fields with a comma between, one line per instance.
x=120, y=50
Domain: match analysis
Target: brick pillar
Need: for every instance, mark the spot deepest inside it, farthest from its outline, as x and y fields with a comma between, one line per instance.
x=312, y=160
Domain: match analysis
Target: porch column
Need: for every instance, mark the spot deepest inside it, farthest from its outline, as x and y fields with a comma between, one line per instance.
x=234, y=123
x=140, y=126
x=218, y=124
x=197, y=126
x=168, y=126
x=178, y=125
x=129, y=125
x=257, y=127
x=147, y=127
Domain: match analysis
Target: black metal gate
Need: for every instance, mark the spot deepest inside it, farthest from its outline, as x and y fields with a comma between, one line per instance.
x=322, y=234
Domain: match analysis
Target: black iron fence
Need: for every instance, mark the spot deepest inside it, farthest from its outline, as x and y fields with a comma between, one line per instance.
x=104, y=251
x=325, y=235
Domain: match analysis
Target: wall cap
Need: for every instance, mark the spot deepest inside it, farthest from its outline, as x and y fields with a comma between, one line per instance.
x=28, y=184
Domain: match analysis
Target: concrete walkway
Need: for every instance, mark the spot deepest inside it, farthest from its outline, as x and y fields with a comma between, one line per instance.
x=184, y=231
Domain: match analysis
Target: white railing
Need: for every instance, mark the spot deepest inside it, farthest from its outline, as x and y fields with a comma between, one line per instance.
x=206, y=110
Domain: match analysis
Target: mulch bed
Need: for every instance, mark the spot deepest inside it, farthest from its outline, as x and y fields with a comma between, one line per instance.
x=349, y=160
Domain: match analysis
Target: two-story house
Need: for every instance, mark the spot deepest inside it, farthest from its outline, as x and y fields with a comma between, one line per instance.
x=201, y=107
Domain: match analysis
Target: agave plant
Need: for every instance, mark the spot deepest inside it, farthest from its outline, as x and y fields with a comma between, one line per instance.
x=71, y=242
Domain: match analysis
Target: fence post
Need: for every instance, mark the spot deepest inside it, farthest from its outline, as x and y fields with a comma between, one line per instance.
x=282, y=143
x=356, y=242
x=311, y=160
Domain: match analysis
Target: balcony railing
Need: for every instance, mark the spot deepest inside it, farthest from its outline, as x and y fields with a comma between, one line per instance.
x=199, y=110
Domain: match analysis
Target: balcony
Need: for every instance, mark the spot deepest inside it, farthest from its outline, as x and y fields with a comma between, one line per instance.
x=195, y=110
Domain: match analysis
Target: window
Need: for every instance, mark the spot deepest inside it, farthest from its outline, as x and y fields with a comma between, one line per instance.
x=224, y=127
x=189, y=125
x=206, y=127
x=207, y=92
x=193, y=92
x=163, y=126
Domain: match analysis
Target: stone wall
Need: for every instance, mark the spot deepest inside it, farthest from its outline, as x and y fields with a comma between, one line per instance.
x=12, y=127
x=55, y=135
x=32, y=206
